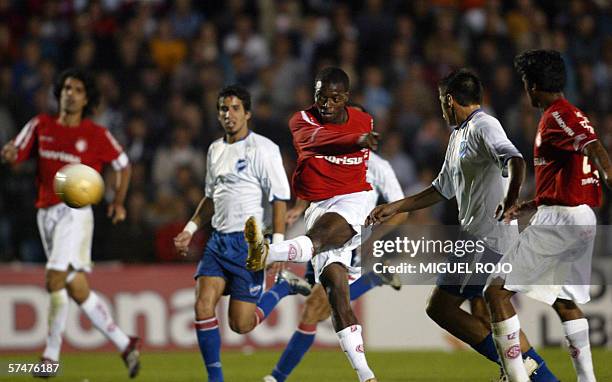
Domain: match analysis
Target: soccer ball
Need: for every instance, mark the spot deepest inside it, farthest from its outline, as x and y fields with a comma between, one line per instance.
x=78, y=185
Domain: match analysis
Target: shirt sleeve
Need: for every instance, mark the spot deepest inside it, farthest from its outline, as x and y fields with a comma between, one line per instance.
x=444, y=182
x=209, y=179
x=308, y=135
x=569, y=131
x=497, y=144
x=27, y=139
x=387, y=184
x=272, y=174
x=111, y=151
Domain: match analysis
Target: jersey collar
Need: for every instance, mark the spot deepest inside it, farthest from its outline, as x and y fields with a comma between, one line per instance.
x=467, y=120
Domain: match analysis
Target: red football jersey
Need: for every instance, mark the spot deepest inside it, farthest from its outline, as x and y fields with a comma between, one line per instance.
x=57, y=145
x=564, y=175
x=329, y=161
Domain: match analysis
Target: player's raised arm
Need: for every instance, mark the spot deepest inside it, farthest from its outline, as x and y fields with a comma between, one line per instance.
x=598, y=155
x=310, y=135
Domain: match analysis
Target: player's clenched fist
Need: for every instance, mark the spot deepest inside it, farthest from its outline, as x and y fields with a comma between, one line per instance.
x=381, y=214
x=9, y=153
x=181, y=242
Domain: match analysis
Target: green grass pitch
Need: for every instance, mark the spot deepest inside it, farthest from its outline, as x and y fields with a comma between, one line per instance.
x=317, y=366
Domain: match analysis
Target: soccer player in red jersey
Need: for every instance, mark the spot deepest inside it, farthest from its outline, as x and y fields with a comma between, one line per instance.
x=66, y=232
x=566, y=154
x=332, y=143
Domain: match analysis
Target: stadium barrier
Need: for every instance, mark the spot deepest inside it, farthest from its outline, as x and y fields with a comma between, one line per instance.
x=154, y=301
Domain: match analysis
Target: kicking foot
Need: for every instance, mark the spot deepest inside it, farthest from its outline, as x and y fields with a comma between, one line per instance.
x=371, y=380
x=269, y=378
x=391, y=279
x=46, y=368
x=258, y=248
x=131, y=356
x=298, y=284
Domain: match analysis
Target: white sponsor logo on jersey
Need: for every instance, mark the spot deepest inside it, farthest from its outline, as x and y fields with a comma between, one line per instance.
x=59, y=155
x=341, y=160
x=539, y=161
x=562, y=124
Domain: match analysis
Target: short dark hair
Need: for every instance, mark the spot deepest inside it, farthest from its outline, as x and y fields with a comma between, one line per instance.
x=237, y=91
x=464, y=85
x=333, y=75
x=91, y=91
x=543, y=68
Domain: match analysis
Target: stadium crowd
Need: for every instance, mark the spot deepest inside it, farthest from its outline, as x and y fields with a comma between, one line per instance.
x=160, y=64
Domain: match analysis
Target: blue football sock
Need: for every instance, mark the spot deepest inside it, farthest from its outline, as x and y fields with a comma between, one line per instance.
x=542, y=373
x=268, y=301
x=298, y=345
x=487, y=348
x=209, y=340
x=363, y=284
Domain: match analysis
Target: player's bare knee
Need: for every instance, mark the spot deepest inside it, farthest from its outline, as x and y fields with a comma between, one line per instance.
x=204, y=308
x=79, y=295
x=567, y=310
x=55, y=280
x=241, y=325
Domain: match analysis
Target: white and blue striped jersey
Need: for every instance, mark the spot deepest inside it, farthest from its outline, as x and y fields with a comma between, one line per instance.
x=473, y=172
x=242, y=178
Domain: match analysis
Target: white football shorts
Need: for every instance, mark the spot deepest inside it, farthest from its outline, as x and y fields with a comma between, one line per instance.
x=552, y=257
x=66, y=234
x=354, y=209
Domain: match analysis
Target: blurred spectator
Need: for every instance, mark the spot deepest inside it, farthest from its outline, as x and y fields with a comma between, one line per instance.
x=167, y=51
x=245, y=40
x=168, y=159
x=160, y=64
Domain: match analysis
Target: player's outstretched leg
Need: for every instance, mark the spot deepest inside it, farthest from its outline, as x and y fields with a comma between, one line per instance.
x=96, y=310
x=260, y=254
x=576, y=328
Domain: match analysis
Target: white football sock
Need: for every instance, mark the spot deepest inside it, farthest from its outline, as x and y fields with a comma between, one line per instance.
x=58, y=314
x=507, y=341
x=100, y=317
x=351, y=343
x=577, y=336
x=297, y=250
